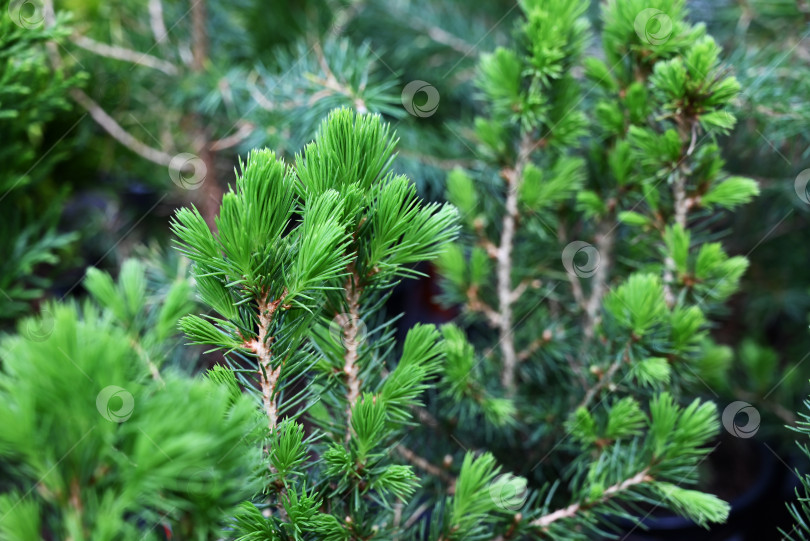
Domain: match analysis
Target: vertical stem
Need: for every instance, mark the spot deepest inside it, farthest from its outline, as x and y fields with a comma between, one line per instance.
x=604, y=247
x=513, y=179
x=350, y=367
x=679, y=196
x=156, y=21
x=261, y=347
x=681, y=208
x=504, y=273
x=210, y=193
x=199, y=36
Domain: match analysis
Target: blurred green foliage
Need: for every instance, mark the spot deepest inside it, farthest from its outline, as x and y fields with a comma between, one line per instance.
x=32, y=96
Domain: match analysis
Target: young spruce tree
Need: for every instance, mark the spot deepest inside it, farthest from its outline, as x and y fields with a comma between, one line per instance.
x=297, y=272
x=553, y=425
x=586, y=271
x=102, y=438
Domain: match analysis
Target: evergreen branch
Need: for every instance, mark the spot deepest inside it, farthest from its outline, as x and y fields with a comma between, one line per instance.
x=572, y=510
x=682, y=205
x=439, y=35
x=484, y=242
x=156, y=21
x=267, y=375
x=488, y=245
x=535, y=345
x=521, y=289
x=669, y=263
x=417, y=514
x=475, y=304
x=118, y=133
x=332, y=85
x=426, y=418
x=604, y=247
x=606, y=379
x=513, y=179
x=122, y=53
x=427, y=466
x=199, y=35
x=669, y=278
x=679, y=195
x=257, y=96
x=243, y=132
x=512, y=527
x=262, y=101
x=350, y=366
x=75, y=501
x=98, y=114
x=397, y=519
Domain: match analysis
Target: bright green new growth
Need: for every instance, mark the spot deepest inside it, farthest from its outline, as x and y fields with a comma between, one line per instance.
x=302, y=261
x=541, y=415
x=585, y=271
x=99, y=442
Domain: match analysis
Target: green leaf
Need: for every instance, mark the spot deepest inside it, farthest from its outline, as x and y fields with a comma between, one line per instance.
x=480, y=266
x=654, y=372
x=368, y=423
x=452, y=264
x=500, y=77
x=637, y=304
x=288, y=451
x=202, y=331
x=687, y=327
x=693, y=504
x=633, y=218
x=101, y=286
x=472, y=504
x=621, y=162
x=582, y=426
x=19, y=517
x=401, y=481
x=732, y=192
x=599, y=73
x=625, y=419
x=591, y=204
x=462, y=193
x=677, y=240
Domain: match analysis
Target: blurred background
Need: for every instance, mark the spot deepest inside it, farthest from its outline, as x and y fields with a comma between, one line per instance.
x=114, y=113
